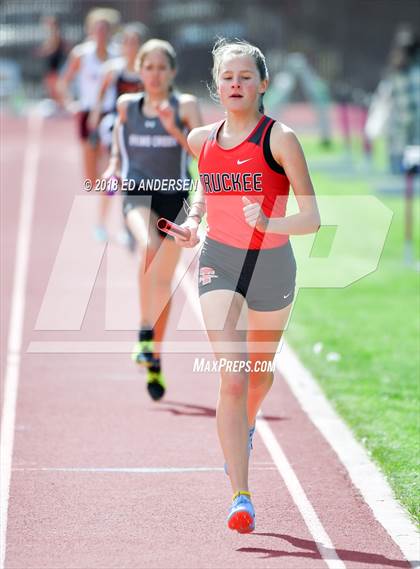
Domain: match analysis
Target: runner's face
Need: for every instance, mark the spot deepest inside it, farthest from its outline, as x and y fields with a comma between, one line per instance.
x=156, y=72
x=101, y=32
x=130, y=45
x=239, y=83
x=50, y=24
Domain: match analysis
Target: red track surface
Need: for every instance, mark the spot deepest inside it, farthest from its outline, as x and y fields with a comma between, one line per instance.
x=80, y=411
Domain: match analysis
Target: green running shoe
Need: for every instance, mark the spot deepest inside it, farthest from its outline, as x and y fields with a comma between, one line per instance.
x=142, y=353
x=156, y=385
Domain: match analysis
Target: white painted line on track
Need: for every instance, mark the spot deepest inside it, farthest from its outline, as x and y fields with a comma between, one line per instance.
x=14, y=344
x=313, y=523
x=139, y=470
x=120, y=347
x=364, y=474
x=315, y=527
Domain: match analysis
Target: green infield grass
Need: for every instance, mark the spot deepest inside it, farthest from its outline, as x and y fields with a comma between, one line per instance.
x=374, y=325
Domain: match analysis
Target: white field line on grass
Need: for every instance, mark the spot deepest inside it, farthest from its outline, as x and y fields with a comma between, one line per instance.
x=14, y=344
x=363, y=472
x=315, y=527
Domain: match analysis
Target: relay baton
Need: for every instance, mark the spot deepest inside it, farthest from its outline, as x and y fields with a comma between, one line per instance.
x=173, y=229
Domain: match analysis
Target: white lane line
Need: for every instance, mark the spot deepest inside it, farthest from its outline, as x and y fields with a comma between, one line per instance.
x=313, y=523
x=14, y=344
x=364, y=474
x=140, y=470
x=321, y=538
x=120, y=347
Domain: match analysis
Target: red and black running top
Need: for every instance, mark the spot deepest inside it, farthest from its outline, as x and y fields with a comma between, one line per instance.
x=248, y=169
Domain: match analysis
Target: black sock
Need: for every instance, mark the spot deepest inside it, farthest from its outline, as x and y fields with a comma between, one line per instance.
x=145, y=334
x=156, y=366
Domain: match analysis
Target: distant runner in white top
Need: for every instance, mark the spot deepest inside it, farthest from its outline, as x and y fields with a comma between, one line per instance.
x=85, y=65
x=120, y=77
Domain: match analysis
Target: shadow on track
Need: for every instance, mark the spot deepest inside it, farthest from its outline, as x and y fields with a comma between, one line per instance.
x=180, y=408
x=313, y=553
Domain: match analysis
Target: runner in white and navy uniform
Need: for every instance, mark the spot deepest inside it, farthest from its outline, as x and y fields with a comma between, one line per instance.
x=150, y=145
x=148, y=152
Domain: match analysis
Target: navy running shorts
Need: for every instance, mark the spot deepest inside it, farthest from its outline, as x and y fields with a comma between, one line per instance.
x=82, y=126
x=265, y=278
x=169, y=206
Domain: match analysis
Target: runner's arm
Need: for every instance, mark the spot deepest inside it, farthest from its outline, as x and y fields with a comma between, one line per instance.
x=114, y=165
x=288, y=152
x=95, y=114
x=68, y=76
x=196, y=139
x=190, y=115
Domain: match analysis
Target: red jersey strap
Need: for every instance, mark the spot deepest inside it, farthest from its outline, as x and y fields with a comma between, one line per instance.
x=210, y=138
x=268, y=155
x=215, y=130
x=258, y=135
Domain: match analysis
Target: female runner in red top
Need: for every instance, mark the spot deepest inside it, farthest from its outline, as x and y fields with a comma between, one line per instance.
x=247, y=268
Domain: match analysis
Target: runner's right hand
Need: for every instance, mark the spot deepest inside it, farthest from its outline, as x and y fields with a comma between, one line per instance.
x=192, y=225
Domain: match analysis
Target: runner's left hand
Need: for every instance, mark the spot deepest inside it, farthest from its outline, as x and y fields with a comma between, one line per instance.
x=254, y=215
x=167, y=116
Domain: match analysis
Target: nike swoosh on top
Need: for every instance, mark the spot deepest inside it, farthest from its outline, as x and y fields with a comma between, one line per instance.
x=287, y=295
x=239, y=162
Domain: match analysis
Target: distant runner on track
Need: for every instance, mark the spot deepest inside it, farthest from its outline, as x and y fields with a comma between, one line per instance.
x=247, y=267
x=120, y=77
x=86, y=66
x=150, y=145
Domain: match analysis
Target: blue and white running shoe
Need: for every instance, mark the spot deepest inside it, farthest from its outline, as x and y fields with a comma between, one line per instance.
x=241, y=514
